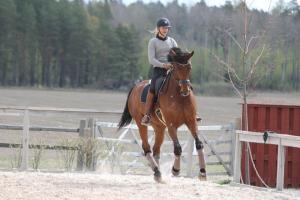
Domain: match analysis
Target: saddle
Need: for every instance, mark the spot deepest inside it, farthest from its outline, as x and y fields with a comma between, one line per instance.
x=160, y=82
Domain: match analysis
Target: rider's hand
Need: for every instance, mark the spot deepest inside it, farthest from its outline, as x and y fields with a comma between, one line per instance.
x=167, y=65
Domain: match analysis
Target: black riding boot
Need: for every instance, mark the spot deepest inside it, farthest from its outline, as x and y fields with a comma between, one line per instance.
x=146, y=120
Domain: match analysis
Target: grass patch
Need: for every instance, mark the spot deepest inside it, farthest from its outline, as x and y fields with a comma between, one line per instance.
x=215, y=168
x=223, y=182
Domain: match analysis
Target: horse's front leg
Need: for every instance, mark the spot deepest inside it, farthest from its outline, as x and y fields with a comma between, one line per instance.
x=200, y=149
x=192, y=125
x=154, y=166
x=147, y=151
x=177, y=151
x=159, y=138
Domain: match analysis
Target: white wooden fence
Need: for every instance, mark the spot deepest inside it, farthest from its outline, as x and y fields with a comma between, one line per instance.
x=188, y=147
x=96, y=129
x=281, y=140
x=26, y=127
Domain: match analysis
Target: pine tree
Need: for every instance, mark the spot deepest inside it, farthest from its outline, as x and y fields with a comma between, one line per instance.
x=7, y=40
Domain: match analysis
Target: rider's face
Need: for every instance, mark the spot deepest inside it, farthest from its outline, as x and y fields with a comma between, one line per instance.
x=163, y=30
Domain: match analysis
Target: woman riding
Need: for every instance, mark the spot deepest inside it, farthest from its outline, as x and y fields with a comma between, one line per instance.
x=158, y=49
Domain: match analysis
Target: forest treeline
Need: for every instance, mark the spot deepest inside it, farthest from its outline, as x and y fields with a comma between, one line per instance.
x=103, y=44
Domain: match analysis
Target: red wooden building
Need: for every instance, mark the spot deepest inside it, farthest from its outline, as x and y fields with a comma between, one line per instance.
x=281, y=119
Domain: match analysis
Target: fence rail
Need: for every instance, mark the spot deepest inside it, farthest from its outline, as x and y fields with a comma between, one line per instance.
x=7, y=109
x=281, y=140
x=92, y=128
x=189, y=149
x=25, y=112
x=39, y=128
x=38, y=146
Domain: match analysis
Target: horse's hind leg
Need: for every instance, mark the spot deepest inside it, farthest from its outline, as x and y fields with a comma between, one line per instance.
x=159, y=138
x=147, y=151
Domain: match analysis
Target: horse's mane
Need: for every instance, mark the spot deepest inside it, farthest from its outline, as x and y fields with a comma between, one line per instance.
x=177, y=55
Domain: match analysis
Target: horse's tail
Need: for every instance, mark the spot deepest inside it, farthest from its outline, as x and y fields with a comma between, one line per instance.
x=126, y=117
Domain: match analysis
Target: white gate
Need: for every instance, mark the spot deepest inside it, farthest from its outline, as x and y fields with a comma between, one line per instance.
x=213, y=136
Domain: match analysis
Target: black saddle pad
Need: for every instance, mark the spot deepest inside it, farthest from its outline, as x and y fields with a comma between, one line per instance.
x=158, y=85
x=144, y=93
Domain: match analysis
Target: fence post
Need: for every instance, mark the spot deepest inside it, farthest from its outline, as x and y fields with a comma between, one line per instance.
x=92, y=136
x=86, y=153
x=237, y=160
x=25, y=141
x=232, y=136
x=280, y=166
x=80, y=155
x=235, y=126
x=190, y=150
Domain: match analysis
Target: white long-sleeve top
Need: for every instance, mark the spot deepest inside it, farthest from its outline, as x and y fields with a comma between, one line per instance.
x=158, y=50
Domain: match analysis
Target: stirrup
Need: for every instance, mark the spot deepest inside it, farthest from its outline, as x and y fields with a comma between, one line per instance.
x=146, y=120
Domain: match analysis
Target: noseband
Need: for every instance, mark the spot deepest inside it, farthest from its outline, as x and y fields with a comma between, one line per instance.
x=186, y=81
x=183, y=81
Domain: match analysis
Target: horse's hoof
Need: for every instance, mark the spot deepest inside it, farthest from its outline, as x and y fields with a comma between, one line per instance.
x=157, y=175
x=158, y=179
x=202, y=176
x=175, y=172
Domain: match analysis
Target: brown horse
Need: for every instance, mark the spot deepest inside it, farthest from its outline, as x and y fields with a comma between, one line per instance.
x=177, y=106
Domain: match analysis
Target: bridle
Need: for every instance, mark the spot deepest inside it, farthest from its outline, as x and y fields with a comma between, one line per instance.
x=181, y=82
x=186, y=81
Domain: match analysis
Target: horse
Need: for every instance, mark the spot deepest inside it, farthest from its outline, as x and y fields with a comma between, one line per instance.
x=177, y=105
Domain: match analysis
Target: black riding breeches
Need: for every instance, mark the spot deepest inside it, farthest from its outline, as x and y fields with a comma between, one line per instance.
x=157, y=73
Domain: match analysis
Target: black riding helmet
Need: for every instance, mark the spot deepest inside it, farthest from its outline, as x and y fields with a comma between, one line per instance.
x=163, y=22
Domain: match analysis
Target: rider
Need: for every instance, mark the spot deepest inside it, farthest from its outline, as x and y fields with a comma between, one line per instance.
x=158, y=49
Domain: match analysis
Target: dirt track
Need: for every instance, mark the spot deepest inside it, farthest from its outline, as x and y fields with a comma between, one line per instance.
x=74, y=186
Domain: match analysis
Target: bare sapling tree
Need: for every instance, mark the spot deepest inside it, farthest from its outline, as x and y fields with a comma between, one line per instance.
x=242, y=72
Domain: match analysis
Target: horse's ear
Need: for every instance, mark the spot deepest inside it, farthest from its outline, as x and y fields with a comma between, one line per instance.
x=190, y=55
x=171, y=55
x=172, y=52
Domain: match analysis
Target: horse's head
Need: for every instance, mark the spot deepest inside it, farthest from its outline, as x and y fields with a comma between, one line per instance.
x=181, y=69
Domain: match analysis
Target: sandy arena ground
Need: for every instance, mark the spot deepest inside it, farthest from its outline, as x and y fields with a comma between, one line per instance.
x=78, y=186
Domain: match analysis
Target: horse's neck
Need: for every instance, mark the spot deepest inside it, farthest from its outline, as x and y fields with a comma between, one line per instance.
x=171, y=87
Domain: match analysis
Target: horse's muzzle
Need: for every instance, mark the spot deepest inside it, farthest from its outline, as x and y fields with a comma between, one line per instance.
x=185, y=93
x=185, y=87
